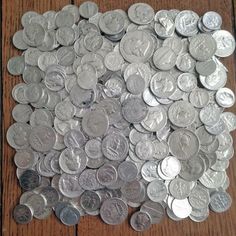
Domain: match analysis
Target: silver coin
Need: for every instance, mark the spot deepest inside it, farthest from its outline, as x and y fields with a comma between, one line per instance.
x=25, y=159
x=199, y=98
x=111, y=22
x=164, y=24
x=16, y=65
x=230, y=120
x=149, y=171
x=74, y=139
x=37, y=203
x=90, y=201
x=93, y=149
x=69, y=186
x=95, y=123
x=183, y=144
x=141, y=13
x=64, y=18
x=135, y=84
x=215, y=80
x=156, y=191
x=155, y=210
x=88, y=9
x=144, y=149
x=206, y=68
x=207, y=117
x=196, y=47
x=42, y=138
x=22, y=113
x=185, y=62
x=18, y=134
x=212, y=20
x=220, y=201
x=73, y=160
x=107, y=175
x=88, y=180
x=164, y=58
x=140, y=221
x=181, y=208
x=212, y=179
x=181, y=23
x=225, y=43
x=155, y=120
x=187, y=82
x=127, y=171
x=169, y=167
x=132, y=40
x=113, y=211
x=162, y=84
x=225, y=97
x=179, y=188
x=115, y=146
x=181, y=113
x=69, y=215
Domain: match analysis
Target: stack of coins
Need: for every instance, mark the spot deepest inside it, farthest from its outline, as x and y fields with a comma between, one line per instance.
x=121, y=110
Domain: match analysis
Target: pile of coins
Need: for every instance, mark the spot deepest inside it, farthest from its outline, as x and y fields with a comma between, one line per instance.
x=119, y=110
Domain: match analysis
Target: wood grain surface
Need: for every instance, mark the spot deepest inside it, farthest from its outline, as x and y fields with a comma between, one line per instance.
x=216, y=225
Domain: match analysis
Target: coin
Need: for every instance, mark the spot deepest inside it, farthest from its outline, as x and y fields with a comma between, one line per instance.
x=113, y=211
x=69, y=215
x=220, y=201
x=22, y=214
x=140, y=221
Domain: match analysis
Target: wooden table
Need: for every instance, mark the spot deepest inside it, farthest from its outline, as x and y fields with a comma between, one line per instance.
x=217, y=224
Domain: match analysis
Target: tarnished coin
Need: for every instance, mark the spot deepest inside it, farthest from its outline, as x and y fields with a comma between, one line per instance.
x=22, y=214
x=29, y=180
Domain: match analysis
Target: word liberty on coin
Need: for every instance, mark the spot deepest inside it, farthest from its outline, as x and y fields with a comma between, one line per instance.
x=121, y=110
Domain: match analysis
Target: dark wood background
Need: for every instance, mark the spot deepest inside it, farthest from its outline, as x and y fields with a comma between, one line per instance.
x=216, y=225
